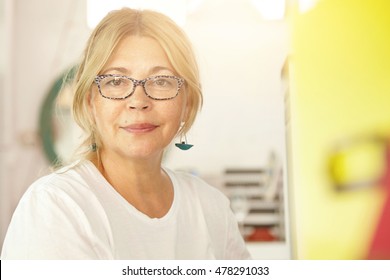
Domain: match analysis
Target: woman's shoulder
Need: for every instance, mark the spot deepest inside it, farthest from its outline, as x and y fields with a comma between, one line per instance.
x=67, y=179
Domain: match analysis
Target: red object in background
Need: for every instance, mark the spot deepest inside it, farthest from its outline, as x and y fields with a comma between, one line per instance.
x=380, y=246
x=261, y=234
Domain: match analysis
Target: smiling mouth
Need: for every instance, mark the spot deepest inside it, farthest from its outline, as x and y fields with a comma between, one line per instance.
x=140, y=128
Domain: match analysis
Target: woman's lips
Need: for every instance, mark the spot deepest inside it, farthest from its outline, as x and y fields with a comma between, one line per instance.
x=140, y=127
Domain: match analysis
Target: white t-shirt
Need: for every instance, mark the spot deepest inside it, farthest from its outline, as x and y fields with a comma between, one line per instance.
x=75, y=213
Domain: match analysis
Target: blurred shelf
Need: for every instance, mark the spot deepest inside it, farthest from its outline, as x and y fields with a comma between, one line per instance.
x=262, y=219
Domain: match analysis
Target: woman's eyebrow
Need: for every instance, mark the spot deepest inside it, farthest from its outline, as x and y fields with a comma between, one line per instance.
x=160, y=68
x=122, y=70
x=126, y=71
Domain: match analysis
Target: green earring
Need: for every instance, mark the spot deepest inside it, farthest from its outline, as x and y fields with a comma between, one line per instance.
x=183, y=145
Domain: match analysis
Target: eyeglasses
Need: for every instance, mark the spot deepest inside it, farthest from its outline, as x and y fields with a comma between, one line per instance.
x=162, y=87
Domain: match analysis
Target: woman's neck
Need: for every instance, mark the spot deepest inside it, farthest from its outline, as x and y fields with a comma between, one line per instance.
x=141, y=182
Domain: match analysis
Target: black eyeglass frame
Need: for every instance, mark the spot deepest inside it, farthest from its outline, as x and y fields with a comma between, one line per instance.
x=136, y=83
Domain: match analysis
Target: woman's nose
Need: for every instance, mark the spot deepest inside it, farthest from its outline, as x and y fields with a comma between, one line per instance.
x=139, y=100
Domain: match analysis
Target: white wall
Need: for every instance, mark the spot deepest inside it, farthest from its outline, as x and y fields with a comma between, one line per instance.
x=240, y=57
x=42, y=39
x=3, y=208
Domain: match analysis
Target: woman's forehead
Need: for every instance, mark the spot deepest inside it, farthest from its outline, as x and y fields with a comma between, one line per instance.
x=136, y=53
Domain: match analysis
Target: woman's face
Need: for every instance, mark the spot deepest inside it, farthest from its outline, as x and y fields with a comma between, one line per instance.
x=138, y=126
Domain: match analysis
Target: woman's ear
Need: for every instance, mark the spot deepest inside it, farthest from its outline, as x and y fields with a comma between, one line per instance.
x=90, y=102
x=90, y=97
x=186, y=113
x=186, y=108
x=90, y=106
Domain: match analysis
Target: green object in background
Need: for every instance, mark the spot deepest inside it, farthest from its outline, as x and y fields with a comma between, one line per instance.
x=46, y=124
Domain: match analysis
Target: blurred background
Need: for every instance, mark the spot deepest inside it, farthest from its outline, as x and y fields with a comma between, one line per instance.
x=295, y=125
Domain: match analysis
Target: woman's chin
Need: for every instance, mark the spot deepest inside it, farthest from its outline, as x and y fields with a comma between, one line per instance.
x=142, y=153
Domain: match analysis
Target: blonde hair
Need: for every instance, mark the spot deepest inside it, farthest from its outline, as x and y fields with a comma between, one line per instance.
x=101, y=45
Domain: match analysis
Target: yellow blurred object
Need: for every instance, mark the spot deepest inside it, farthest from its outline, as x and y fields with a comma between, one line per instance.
x=340, y=87
x=358, y=163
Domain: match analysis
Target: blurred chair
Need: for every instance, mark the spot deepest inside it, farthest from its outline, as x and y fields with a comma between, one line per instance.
x=256, y=196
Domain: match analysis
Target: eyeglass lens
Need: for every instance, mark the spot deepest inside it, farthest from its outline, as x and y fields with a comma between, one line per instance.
x=158, y=87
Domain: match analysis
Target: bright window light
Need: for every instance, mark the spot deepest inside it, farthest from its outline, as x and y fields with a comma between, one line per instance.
x=175, y=9
x=271, y=9
x=306, y=5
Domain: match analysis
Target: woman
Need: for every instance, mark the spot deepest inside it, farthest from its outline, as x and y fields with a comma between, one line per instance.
x=136, y=89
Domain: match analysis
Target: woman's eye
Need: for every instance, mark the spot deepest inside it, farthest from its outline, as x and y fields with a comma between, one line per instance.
x=164, y=83
x=115, y=81
x=161, y=82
